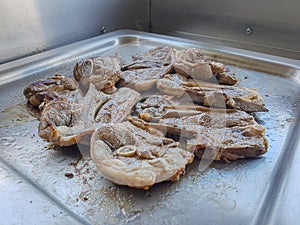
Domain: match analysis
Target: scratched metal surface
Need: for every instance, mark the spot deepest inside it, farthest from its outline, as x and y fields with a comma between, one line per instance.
x=34, y=186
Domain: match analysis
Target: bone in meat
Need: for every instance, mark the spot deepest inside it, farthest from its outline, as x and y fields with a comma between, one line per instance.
x=211, y=94
x=102, y=71
x=128, y=155
x=65, y=123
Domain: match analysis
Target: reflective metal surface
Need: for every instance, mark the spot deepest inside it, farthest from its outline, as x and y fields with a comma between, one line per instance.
x=28, y=27
x=274, y=24
x=236, y=193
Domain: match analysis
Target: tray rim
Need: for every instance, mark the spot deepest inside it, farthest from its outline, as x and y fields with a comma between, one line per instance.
x=13, y=70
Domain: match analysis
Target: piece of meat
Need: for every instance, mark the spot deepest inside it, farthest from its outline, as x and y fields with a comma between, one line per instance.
x=66, y=123
x=48, y=89
x=143, y=79
x=229, y=143
x=156, y=107
x=163, y=54
x=213, y=95
x=56, y=123
x=152, y=107
x=118, y=107
x=222, y=136
x=41, y=98
x=222, y=74
x=214, y=135
x=128, y=155
x=162, y=129
x=210, y=118
x=190, y=62
x=102, y=71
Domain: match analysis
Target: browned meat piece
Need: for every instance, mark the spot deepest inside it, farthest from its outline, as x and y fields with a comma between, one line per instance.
x=222, y=74
x=48, y=89
x=229, y=143
x=162, y=54
x=143, y=79
x=222, y=136
x=41, y=98
x=156, y=107
x=211, y=94
x=57, y=123
x=128, y=155
x=103, y=72
x=210, y=118
x=66, y=123
x=215, y=135
x=190, y=62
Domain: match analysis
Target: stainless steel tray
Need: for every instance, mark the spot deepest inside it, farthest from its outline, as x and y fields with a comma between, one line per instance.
x=35, y=190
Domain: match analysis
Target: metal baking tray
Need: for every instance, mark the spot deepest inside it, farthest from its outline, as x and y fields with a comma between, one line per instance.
x=34, y=188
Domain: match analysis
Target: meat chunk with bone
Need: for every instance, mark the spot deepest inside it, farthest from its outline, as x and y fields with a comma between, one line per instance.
x=157, y=107
x=66, y=123
x=223, y=136
x=215, y=135
x=213, y=95
x=128, y=155
x=229, y=143
x=188, y=62
x=48, y=89
x=102, y=71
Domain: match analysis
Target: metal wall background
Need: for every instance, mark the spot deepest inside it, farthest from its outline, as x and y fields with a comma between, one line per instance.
x=31, y=26
x=275, y=23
